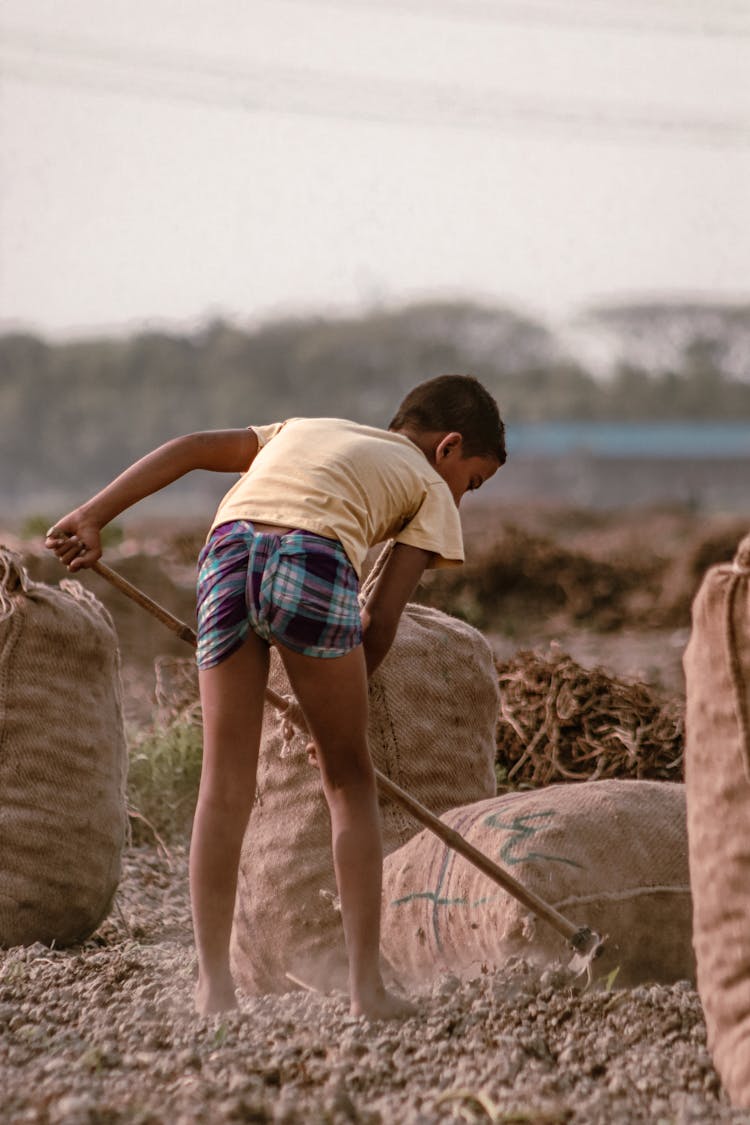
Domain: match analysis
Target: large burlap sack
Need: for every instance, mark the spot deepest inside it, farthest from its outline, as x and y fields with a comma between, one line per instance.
x=433, y=710
x=611, y=855
x=717, y=774
x=63, y=760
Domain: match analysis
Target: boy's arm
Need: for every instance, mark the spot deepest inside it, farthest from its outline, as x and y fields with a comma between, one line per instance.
x=386, y=603
x=224, y=451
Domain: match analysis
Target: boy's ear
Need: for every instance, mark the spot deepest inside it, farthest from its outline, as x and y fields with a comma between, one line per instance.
x=449, y=445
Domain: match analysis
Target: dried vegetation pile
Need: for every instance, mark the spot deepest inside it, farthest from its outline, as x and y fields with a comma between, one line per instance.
x=559, y=722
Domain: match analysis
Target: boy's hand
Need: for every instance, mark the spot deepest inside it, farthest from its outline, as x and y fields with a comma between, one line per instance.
x=312, y=755
x=75, y=540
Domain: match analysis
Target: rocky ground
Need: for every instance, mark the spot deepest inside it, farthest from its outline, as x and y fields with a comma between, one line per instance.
x=103, y=1034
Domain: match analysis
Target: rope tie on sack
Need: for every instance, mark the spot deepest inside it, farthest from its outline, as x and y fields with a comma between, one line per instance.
x=291, y=718
x=13, y=580
x=741, y=561
x=79, y=594
x=377, y=569
x=738, y=583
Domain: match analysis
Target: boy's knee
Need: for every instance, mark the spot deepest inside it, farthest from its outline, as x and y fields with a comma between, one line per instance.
x=348, y=774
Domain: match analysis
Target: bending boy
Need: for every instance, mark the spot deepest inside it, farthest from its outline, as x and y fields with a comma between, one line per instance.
x=281, y=566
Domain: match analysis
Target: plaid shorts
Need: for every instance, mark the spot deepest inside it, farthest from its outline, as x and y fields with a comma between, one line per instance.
x=298, y=589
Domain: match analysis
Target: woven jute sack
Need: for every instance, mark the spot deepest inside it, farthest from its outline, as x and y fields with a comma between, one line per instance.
x=63, y=760
x=611, y=855
x=433, y=710
x=717, y=775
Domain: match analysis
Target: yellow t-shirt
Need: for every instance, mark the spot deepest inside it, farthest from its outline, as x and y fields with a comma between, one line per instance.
x=345, y=481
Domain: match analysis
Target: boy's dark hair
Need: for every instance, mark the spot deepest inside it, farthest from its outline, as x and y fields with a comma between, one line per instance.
x=455, y=402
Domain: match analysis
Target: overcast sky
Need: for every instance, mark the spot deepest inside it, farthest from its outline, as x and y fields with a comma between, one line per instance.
x=174, y=160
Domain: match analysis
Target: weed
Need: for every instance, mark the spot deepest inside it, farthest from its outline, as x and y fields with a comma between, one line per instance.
x=163, y=776
x=609, y=981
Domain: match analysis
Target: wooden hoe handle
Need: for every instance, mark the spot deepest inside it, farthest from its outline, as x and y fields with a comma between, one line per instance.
x=586, y=943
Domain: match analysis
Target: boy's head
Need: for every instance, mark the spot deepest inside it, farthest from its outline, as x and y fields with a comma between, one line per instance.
x=456, y=423
x=455, y=402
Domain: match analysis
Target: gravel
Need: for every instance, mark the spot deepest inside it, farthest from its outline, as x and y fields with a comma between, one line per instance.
x=104, y=1033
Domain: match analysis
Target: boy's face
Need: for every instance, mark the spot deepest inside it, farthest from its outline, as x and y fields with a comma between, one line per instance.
x=463, y=474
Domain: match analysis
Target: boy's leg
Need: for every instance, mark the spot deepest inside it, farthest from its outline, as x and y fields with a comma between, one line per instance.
x=333, y=695
x=232, y=695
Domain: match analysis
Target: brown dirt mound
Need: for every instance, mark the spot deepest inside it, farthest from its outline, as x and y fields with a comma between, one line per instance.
x=634, y=570
x=685, y=572
x=529, y=574
x=559, y=722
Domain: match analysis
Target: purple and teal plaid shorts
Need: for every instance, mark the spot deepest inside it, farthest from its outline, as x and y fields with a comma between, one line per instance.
x=299, y=589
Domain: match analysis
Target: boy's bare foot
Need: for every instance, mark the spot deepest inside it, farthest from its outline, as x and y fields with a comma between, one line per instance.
x=382, y=1005
x=210, y=1000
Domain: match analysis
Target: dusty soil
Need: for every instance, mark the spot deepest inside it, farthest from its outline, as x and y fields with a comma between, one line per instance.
x=104, y=1033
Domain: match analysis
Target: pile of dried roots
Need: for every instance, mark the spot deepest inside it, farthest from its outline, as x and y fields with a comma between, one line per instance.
x=560, y=722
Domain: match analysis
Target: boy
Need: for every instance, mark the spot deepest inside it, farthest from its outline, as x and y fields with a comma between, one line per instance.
x=281, y=566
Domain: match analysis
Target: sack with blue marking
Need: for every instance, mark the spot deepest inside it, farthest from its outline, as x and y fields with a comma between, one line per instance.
x=611, y=855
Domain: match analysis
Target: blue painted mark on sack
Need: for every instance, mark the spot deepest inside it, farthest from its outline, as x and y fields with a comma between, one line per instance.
x=522, y=831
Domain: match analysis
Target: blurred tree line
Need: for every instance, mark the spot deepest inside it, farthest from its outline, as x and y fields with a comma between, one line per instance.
x=77, y=412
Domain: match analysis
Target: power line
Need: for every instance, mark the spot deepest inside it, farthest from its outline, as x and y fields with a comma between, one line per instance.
x=703, y=20
x=572, y=18
x=682, y=7
x=209, y=81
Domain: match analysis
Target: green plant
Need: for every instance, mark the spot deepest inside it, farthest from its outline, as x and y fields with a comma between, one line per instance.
x=163, y=777
x=609, y=980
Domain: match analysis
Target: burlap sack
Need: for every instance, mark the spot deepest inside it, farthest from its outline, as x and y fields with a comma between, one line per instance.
x=63, y=760
x=717, y=774
x=433, y=710
x=608, y=854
